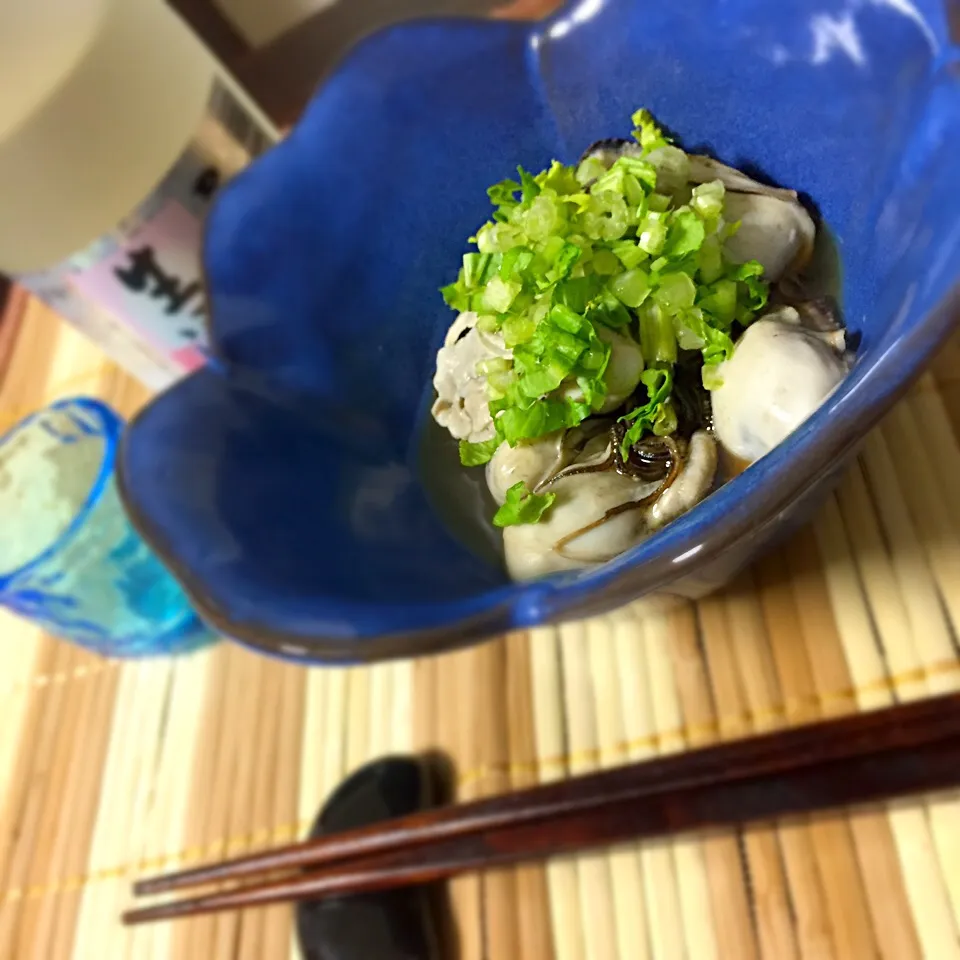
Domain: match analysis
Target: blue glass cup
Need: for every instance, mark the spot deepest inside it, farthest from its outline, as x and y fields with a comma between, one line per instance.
x=69, y=558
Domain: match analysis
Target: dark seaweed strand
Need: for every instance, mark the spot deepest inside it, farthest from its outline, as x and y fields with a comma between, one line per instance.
x=691, y=400
x=650, y=459
x=578, y=471
x=646, y=501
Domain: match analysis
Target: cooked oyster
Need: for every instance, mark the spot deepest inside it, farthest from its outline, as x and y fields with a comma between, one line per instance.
x=462, y=404
x=600, y=513
x=780, y=373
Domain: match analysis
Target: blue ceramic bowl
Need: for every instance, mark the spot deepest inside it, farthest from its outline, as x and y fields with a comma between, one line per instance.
x=282, y=484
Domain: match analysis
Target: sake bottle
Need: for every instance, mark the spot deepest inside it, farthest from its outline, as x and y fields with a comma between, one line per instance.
x=117, y=126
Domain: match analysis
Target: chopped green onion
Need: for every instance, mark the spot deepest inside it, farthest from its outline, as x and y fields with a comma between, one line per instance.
x=656, y=415
x=686, y=234
x=504, y=192
x=675, y=292
x=539, y=311
x=646, y=132
x=643, y=171
x=577, y=292
x=593, y=360
x=499, y=294
x=755, y=289
x=685, y=326
x=476, y=454
x=610, y=181
x=710, y=376
x=568, y=255
x=631, y=287
x=606, y=217
x=730, y=230
x=606, y=309
x=720, y=301
x=517, y=330
x=719, y=346
x=522, y=506
x=498, y=237
x=713, y=341
x=628, y=253
x=605, y=263
x=658, y=341
x=592, y=392
x=500, y=384
x=590, y=169
x=528, y=185
x=551, y=247
x=560, y=178
x=633, y=191
x=707, y=199
x=561, y=263
x=526, y=422
x=455, y=296
x=493, y=365
x=473, y=266
x=515, y=261
x=651, y=235
x=542, y=378
x=543, y=218
x=710, y=260
x=566, y=319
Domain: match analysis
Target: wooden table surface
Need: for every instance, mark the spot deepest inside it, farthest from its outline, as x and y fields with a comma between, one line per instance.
x=109, y=770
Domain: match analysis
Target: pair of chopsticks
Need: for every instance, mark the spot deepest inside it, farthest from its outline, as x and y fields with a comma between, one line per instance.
x=856, y=759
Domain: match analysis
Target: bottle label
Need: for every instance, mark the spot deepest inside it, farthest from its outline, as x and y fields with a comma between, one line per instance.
x=137, y=291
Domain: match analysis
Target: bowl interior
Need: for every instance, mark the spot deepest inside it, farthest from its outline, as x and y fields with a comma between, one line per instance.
x=287, y=477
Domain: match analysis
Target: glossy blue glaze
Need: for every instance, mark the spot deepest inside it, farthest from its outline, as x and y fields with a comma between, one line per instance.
x=281, y=483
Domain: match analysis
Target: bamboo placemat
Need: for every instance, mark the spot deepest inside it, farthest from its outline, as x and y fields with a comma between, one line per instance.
x=110, y=771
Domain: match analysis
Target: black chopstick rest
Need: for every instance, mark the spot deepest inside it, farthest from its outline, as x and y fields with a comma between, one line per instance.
x=394, y=924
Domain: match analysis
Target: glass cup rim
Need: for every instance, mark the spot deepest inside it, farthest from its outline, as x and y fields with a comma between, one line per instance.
x=112, y=424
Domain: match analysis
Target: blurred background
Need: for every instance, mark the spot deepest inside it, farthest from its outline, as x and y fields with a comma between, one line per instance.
x=279, y=50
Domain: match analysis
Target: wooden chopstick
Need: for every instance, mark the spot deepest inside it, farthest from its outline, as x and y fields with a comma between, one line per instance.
x=880, y=776
x=859, y=758
x=920, y=721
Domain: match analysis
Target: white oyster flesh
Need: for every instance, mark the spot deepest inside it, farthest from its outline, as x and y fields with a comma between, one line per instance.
x=530, y=549
x=693, y=483
x=837, y=339
x=534, y=550
x=778, y=233
x=704, y=169
x=531, y=461
x=774, y=226
x=462, y=404
x=779, y=374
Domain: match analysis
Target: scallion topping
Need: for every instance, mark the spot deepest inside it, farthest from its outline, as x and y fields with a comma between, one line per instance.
x=572, y=250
